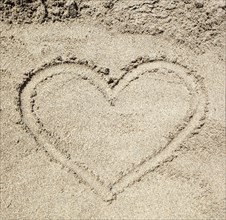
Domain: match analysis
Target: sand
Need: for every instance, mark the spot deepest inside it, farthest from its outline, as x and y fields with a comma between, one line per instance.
x=112, y=109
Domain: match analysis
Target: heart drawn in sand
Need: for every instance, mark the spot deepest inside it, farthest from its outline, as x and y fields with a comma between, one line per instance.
x=110, y=134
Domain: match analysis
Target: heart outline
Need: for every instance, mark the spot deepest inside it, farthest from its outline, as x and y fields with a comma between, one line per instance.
x=194, y=120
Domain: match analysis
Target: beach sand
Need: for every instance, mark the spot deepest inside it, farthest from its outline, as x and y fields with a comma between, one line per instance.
x=112, y=109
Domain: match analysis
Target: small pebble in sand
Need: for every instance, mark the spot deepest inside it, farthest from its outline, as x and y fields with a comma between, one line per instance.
x=111, y=80
x=104, y=70
x=199, y=3
x=72, y=8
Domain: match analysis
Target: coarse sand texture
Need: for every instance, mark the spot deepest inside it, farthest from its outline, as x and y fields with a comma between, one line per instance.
x=112, y=109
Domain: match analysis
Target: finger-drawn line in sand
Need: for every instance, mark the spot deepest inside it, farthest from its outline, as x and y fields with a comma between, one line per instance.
x=193, y=121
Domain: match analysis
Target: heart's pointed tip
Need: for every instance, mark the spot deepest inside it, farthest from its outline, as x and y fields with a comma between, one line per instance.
x=110, y=197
